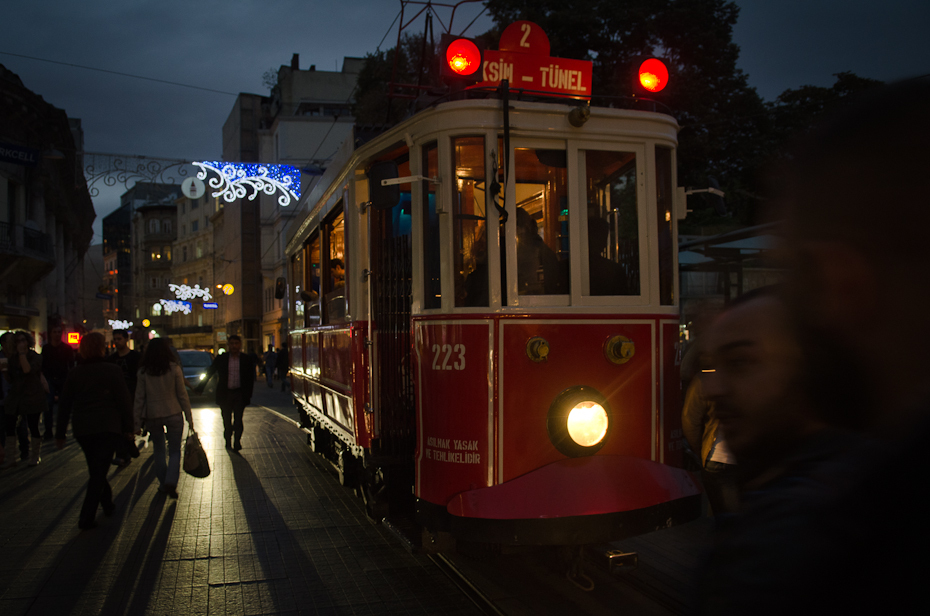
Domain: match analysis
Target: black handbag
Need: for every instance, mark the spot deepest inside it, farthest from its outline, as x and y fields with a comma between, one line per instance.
x=196, y=463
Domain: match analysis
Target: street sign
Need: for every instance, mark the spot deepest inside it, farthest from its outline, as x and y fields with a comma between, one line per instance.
x=211, y=305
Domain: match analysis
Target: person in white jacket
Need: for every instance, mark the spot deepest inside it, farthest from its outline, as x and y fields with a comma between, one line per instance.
x=161, y=399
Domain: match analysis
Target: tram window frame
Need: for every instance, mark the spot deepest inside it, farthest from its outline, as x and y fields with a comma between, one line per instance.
x=516, y=299
x=332, y=312
x=581, y=292
x=431, y=245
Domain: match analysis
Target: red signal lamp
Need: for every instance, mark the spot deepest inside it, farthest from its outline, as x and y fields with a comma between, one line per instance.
x=460, y=59
x=653, y=75
x=463, y=57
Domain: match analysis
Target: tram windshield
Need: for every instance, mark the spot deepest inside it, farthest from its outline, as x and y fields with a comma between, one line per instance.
x=542, y=222
x=469, y=222
x=613, y=224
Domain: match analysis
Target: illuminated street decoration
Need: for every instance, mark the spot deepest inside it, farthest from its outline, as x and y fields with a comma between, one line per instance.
x=173, y=305
x=182, y=291
x=236, y=179
x=117, y=324
x=228, y=289
x=146, y=322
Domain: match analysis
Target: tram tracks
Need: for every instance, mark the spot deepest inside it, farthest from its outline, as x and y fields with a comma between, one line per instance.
x=535, y=582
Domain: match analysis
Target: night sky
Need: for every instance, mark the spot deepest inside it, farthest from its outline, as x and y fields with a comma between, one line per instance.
x=227, y=46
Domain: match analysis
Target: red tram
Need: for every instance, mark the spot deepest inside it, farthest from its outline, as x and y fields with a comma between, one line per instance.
x=487, y=322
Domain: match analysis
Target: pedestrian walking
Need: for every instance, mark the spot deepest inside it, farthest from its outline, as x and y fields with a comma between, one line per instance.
x=57, y=360
x=235, y=380
x=128, y=361
x=270, y=358
x=7, y=347
x=27, y=397
x=161, y=403
x=96, y=401
x=283, y=364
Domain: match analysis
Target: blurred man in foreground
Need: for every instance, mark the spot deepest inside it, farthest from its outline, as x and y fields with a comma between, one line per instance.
x=851, y=528
x=855, y=201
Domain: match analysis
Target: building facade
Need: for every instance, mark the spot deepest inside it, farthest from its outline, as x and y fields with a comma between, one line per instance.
x=302, y=123
x=154, y=230
x=193, y=267
x=45, y=213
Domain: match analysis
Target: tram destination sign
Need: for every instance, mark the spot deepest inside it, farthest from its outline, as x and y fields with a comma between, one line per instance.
x=524, y=60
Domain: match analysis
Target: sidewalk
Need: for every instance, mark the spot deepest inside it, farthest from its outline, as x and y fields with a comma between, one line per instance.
x=268, y=532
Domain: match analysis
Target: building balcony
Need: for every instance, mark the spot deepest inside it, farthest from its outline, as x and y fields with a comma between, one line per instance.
x=26, y=252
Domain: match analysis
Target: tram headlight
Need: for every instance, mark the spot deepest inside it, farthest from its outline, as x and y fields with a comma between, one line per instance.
x=579, y=421
x=587, y=423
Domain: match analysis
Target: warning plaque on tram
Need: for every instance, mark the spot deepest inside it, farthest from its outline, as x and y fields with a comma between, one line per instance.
x=524, y=60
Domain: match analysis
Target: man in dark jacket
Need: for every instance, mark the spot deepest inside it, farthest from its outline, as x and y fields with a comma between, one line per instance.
x=128, y=361
x=235, y=373
x=57, y=361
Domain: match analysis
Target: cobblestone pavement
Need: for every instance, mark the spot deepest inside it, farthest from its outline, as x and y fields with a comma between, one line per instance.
x=268, y=532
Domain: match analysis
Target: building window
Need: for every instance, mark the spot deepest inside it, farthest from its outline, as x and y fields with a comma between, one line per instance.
x=195, y=203
x=199, y=251
x=184, y=253
x=166, y=252
x=156, y=310
x=194, y=226
x=154, y=282
x=166, y=225
x=154, y=226
x=155, y=255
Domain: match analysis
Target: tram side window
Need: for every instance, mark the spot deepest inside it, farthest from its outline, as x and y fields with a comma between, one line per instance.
x=542, y=221
x=664, y=217
x=334, y=298
x=469, y=226
x=311, y=258
x=613, y=225
x=432, y=292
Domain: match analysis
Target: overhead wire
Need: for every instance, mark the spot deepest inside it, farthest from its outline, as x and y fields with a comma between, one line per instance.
x=104, y=70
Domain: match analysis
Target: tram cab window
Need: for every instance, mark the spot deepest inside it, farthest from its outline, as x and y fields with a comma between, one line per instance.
x=432, y=281
x=311, y=293
x=469, y=221
x=664, y=219
x=542, y=221
x=613, y=226
x=335, y=301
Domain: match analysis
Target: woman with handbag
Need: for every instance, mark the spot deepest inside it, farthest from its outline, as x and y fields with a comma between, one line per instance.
x=161, y=398
x=26, y=398
x=96, y=400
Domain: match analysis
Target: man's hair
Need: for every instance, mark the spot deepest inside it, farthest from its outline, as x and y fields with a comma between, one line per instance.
x=233, y=337
x=122, y=332
x=92, y=345
x=336, y=263
x=4, y=336
x=860, y=178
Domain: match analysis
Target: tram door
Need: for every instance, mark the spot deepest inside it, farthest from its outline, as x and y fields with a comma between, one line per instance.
x=391, y=278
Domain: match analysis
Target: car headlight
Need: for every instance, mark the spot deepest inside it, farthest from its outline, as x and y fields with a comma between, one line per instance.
x=203, y=375
x=579, y=421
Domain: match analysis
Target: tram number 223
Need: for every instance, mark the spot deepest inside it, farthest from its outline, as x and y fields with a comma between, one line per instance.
x=449, y=357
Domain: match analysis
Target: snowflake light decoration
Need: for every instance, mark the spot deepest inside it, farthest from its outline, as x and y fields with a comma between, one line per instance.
x=241, y=180
x=173, y=305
